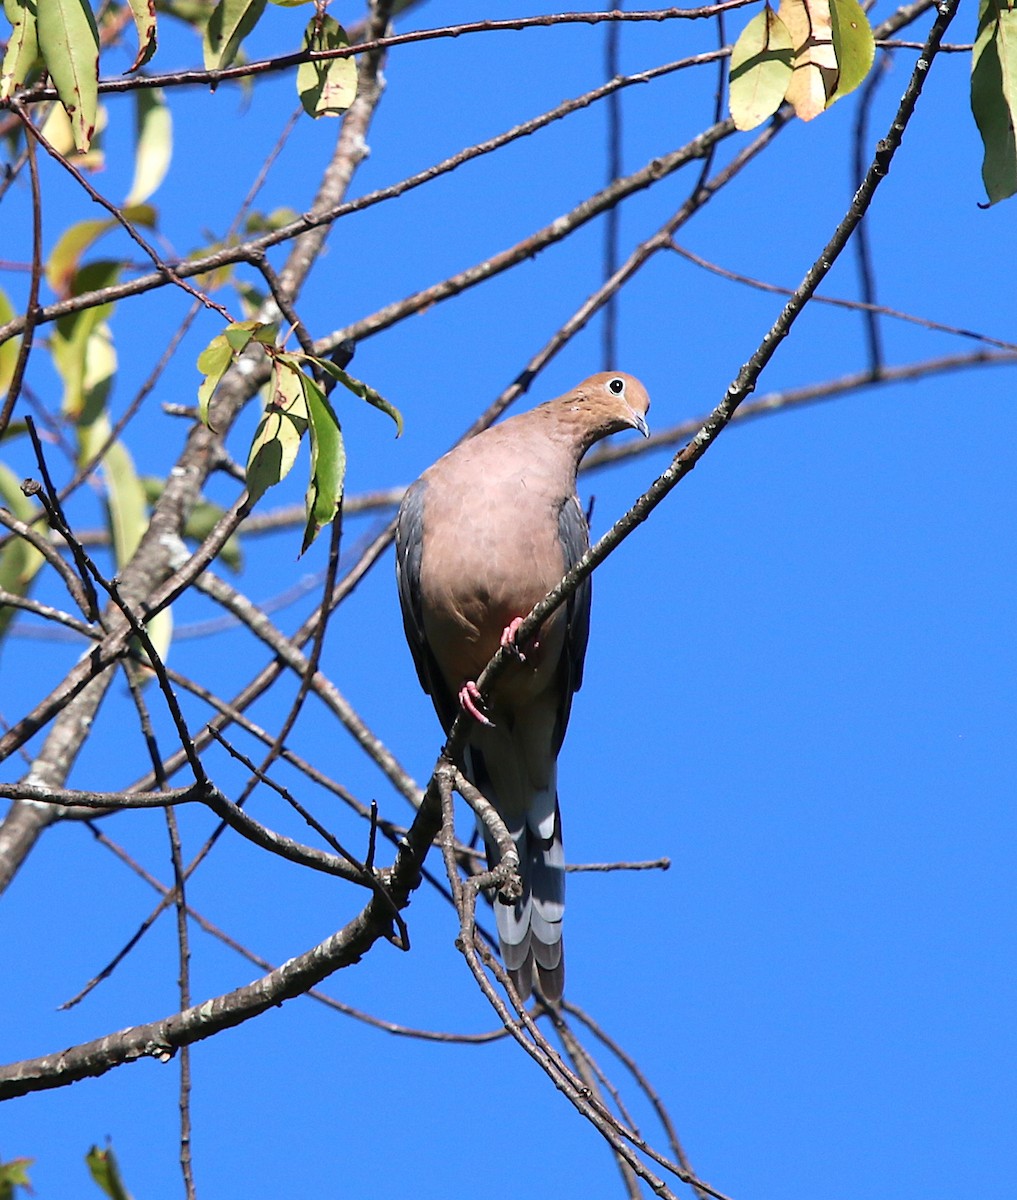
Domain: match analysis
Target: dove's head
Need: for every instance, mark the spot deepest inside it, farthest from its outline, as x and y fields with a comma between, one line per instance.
x=606, y=403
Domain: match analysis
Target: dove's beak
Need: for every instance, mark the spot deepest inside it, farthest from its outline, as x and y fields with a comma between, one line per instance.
x=639, y=422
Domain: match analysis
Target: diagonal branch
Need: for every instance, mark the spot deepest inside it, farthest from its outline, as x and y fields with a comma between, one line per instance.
x=742, y=386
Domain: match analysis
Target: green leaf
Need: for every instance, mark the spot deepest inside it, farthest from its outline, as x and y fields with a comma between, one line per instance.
x=238, y=335
x=215, y=359
x=22, y=47
x=261, y=223
x=69, y=44
x=128, y=507
x=106, y=1172
x=154, y=143
x=853, y=43
x=14, y=1174
x=266, y=334
x=100, y=370
x=9, y=349
x=143, y=12
x=19, y=564
x=761, y=64
x=328, y=463
x=72, y=344
x=326, y=87
x=231, y=21
x=282, y=425
x=66, y=254
x=994, y=96
x=364, y=391
x=213, y=363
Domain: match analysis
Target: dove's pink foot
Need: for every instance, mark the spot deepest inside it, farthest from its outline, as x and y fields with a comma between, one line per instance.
x=473, y=703
x=470, y=698
x=508, y=639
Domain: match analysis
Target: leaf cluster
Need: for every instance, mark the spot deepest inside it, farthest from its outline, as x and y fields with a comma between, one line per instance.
x=811, y=53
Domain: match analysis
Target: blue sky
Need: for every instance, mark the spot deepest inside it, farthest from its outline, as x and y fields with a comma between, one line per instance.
x=800, y=685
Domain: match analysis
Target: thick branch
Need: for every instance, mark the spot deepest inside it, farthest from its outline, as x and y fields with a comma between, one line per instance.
x=76, y=701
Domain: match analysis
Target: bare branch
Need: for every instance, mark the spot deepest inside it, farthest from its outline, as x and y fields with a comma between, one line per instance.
x=815, y=393
x=287, y=650
x=396, y=1029
x=373, y=45
x=40, y=542
x=861, y=306
x=11, y=600
x=657, y=169
x=163, y=268
x=207, y=794
x=364, y=873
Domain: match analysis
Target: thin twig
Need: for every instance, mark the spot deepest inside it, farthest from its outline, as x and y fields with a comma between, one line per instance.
x=49, y=499
x=637, y=1074
x=863, y=248
x=609, y=328
x=366, y=875
x=133, y=674
x=838, y=302
x=163, y=268
x=38, y=541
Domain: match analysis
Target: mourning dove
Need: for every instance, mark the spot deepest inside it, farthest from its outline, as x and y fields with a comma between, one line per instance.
x=481, y=537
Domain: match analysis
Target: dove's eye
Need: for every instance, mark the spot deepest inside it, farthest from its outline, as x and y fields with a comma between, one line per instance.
x=617, y=386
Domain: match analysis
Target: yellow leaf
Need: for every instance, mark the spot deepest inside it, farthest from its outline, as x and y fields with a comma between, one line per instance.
x=19, y=560
x=154, y=149
x=816, y=74
x=8, y=349
x=57, y=130
x=71, y=345
x=63, y=264
x=128, y=510
x=213, y=363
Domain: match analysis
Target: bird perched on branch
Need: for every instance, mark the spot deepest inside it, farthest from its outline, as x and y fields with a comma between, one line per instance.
x=481, y=537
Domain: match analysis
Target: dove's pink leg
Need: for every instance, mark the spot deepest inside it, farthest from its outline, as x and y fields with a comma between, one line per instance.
x=470, y=698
